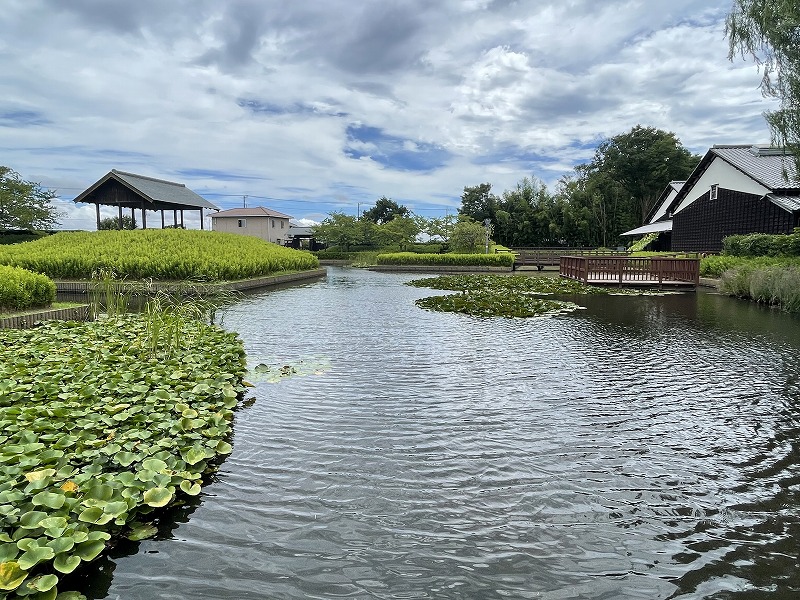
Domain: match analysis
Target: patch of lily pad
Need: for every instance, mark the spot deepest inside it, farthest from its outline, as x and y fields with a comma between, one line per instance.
x=508, y=295
x=98, y=431
x=273, y=373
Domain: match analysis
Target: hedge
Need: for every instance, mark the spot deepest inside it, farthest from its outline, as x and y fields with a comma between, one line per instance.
x=443, y=260
x=762, y=244
x=21, y=289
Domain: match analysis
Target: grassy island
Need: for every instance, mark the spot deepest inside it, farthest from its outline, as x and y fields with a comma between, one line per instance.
x=158, y=254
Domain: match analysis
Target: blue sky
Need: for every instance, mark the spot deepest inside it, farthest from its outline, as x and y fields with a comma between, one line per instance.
x=314, y=107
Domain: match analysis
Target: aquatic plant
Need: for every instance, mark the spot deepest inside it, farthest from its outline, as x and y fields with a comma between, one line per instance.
x=21, y=289
x=487, y=304
x=98, y=429
x=772, y=285
x=160, y=254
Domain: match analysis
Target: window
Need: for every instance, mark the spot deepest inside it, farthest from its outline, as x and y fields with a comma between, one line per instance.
x=281, y=224
x=273, y=223
x=714, y=191
x=241, y=223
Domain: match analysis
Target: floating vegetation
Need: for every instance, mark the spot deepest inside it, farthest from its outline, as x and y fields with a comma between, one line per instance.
x=275, y=373
x=98, y=429
x=487, y=304
x=510, y=295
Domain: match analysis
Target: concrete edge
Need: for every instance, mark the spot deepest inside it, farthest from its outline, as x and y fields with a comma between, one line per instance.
x=438, y=269
x=26, y=321
x=83, y=287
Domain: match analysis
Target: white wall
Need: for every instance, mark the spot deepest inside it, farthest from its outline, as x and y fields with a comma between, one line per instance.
x=260, y=227
x=727, y=177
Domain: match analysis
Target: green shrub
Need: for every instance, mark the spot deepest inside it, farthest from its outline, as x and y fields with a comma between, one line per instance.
x=762, y=244
x=444, y=260
x=160, y=254
x=21, y=289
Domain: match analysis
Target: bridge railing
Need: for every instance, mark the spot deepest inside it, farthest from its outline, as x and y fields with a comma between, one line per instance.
x=630, y=270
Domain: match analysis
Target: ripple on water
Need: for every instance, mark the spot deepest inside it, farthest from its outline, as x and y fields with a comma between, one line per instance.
x=642, y=448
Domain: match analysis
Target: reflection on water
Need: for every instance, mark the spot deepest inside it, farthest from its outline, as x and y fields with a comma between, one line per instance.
x=641, y=448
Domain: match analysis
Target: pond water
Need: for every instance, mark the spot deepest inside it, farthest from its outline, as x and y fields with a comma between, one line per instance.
x=646, y=447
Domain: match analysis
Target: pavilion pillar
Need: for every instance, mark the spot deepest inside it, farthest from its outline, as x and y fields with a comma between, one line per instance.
x=119, y=221
x=162, y=218
x=97, y=212
x=201, y=219
x=174, y=218
x=144, y=218
x=181, y=218
x=133, y=215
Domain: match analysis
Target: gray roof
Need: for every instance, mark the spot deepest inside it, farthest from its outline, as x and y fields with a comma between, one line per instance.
x=788, y=203
x=651, y=228
x=256, y=211
x=765, y=164
x=157, y=191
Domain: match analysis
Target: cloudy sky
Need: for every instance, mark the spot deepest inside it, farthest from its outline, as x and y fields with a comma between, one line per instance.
x=314, y=106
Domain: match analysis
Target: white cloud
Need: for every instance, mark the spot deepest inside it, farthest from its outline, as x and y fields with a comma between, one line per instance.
x=509, y=89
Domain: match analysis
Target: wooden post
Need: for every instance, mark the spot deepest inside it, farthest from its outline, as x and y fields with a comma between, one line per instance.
x=162, y=218
x=174, y=218
x=119, y=222
x=201, y=219
x=144, y=216
x=181, y=218
x=97, y=211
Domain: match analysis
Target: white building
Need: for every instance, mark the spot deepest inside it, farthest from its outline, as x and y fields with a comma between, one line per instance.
x=260, y=222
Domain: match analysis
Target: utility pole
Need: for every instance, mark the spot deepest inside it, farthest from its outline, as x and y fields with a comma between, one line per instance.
x=244, y=200
x=358, y=212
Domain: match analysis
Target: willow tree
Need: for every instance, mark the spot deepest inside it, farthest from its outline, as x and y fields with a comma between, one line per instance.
x=768, y=31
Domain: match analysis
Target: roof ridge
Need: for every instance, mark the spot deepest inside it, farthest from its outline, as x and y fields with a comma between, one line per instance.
x=148, y=178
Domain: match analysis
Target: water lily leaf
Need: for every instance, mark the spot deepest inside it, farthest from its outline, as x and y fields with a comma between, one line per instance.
x=189, y=413
x=61, y=545
x=95, y=514
x=70, y=596
x=90, y=550
x=8, y=552
x=43, y=583
x=41, y=474
x=192, y=489
x=100, y=492
x=193, y=455
x=11, y=575
x=53, y=526
x=66, y=563
x=116, y=508
x=33, y=556
x=69, y=487
x=157, y=496
x=224, y=448
x=142, y=532
x=31, y=519
x=125, y=458
x=52, y=500
x=154, y=464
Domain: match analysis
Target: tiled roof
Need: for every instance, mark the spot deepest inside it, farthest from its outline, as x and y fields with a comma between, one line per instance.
x=765, y=164
x=156, y=191
x=256, y=211
x=789, y=203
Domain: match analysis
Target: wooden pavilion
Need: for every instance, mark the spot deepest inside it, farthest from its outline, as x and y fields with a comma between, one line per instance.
x=137, y=192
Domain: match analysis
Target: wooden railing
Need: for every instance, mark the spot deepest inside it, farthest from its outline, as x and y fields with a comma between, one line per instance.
x=627, y=270
x=544, y=256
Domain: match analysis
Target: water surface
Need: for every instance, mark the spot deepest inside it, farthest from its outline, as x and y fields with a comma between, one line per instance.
x=646, y=447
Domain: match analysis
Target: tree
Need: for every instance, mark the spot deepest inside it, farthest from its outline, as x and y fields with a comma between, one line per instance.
x=400, y=231
x=338, y=229
x=767, y=30
x=440, y=228
x=478, y=202
x=25, y=205
x=384, y=211
x=641, y=163
x=113, y=223
x=468, y=235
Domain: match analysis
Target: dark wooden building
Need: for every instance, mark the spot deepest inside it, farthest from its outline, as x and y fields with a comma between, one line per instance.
x=735, y=190
x=136, y=192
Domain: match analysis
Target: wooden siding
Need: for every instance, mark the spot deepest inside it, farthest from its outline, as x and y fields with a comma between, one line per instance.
x=701, y=226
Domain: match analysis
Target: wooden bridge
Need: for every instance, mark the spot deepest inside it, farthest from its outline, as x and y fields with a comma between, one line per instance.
x=650, y=271
x=551, y=257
